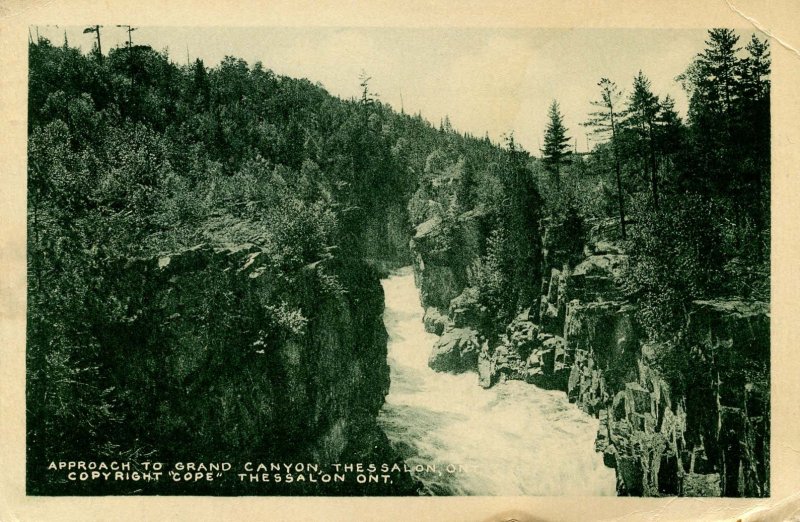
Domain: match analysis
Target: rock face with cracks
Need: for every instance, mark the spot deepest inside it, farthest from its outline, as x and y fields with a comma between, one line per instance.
x=292, y=373
x=708, y=437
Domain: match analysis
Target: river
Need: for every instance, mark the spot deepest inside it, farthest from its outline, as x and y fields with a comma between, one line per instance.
x=512, y=439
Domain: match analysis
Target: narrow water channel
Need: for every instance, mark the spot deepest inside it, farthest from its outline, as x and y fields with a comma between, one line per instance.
x=512, y=439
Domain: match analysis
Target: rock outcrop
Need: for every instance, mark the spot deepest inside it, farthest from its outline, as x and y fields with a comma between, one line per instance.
x=435, y=321
x=434, y=275
x=525, y=353
x=456, y=351
x=440, y=265
x=278, y=368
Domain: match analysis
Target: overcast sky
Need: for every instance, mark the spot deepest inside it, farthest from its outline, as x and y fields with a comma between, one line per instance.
x=494, y=80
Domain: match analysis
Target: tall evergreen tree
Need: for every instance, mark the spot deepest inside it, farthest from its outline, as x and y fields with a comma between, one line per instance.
x=712, y=84
x=755, y=69
x=754, y=119
x=641, y=115
x=729, y=122
x=670, y=127
x=720, y=62
x=556, y=142
x=712, y=77
x=199, y=88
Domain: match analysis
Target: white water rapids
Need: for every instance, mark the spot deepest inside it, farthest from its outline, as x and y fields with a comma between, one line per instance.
x=512, y=439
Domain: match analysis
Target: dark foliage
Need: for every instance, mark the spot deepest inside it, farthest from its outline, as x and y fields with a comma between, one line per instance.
x=132, y=157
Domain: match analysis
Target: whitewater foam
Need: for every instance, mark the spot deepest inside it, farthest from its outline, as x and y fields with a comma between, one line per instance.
x=512, y=439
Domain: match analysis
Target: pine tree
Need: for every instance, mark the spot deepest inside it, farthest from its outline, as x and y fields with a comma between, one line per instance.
x=729, y=115
x=200, y=88
x=721, y=64
x=753, y=125
x=641, y=115
x=556, y=143
x=670, y=127
x=755, y=69
x=711, y=79
x=367, y=98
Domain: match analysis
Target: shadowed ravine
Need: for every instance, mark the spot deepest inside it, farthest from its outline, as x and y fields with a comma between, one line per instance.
x=512, y=439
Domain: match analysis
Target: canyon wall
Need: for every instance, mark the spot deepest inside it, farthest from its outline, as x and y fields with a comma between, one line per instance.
x=222, y=357
x=688, y=418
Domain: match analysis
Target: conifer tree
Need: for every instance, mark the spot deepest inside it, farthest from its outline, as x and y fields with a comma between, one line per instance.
x=556, y=143
x=641, y=116
x=729, y=116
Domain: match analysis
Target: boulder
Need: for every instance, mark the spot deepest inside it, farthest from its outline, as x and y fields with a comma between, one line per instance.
x=427, y=228
x=561, y=362
x=607, y=230
x=604, y=247
x=435, y=321
x=610, y=456
x=596, y=277
x=741, y=327
x=549, y=316
x=553, y=301
x=546, y=365
x=638, y=399
x=508, y=363
x=606, y=265
x=522, y=334
x=629, y=470
x=456, y=351
x=464, y=309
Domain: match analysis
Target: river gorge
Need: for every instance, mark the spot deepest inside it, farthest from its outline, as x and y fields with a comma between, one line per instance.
x=511, y=439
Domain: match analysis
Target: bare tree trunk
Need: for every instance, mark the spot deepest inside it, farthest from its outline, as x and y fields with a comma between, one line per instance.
x=653, y=167
x=99, y=49
x=620, y=198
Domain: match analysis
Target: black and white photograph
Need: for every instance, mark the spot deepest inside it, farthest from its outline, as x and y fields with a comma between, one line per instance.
x=354, y=261
x=250, y=275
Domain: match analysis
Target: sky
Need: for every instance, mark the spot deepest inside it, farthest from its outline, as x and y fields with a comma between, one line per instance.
x=484, y=80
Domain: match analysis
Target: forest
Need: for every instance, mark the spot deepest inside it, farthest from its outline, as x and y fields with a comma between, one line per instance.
x=132, y=156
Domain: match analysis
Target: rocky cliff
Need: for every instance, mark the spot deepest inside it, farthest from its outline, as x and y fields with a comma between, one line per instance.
x=386, y=237
x=222, y=357
x=704, y=434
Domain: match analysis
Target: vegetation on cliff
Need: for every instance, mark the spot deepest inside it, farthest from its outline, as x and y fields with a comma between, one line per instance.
x=653, y=311
x=690, y=198
x=134, y=158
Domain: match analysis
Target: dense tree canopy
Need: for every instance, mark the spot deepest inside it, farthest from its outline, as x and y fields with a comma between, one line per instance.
x=691, y=198
x=132, y=156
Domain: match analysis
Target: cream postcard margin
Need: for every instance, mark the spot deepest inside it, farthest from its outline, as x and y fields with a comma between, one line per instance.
x=779, y=19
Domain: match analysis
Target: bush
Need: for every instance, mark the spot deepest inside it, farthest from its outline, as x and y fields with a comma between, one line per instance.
x=675, y=257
